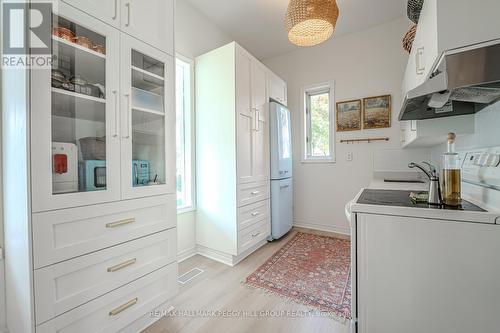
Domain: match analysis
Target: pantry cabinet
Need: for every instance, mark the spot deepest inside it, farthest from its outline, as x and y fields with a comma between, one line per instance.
x=147, y=120
x=252, y=113
x=75, y=111
x=232, y=140
x=91, y=244
x=111, y=132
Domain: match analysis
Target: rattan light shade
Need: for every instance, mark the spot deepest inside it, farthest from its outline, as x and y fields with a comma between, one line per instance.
x=311, y=22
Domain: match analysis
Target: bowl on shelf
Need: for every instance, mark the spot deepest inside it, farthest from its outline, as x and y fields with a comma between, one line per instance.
x=63, y=33
x=58, y=78
x=100, y=49
x=84, y=41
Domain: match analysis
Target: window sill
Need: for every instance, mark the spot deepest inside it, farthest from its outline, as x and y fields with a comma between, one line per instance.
x=183, y=210
x=318, y=161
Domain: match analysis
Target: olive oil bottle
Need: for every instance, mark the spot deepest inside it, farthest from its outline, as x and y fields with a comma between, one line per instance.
x=451, y=189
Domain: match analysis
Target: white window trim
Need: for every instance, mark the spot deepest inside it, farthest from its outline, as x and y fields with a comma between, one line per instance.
x=190, y=145
x=304, y=123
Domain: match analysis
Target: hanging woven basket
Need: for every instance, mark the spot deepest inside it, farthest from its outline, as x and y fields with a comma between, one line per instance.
x=409, y=38
x=414, y=9
x=311, y=22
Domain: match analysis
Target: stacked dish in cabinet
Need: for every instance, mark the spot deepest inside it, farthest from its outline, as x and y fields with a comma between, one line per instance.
x=92, y=242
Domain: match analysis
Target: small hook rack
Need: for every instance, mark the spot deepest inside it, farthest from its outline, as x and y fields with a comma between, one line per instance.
x=368, y=140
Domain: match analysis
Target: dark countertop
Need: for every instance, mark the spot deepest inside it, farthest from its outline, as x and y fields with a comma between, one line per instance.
x=402, y=199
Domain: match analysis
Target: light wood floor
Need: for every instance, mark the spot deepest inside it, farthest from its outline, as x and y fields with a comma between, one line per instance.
x=220, y=288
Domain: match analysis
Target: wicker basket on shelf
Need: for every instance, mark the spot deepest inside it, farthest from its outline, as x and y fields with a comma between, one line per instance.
x=409, y=38
x=413, y=10
x=93, y=148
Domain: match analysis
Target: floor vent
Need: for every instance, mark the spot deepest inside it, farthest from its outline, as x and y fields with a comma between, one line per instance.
x=190, y=275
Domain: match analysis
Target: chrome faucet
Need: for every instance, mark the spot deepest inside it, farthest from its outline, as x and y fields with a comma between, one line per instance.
x=434, y=186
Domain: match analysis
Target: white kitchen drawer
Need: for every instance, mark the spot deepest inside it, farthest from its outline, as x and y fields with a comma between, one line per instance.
x=64, y=286
x=253, y=235
x=68, y=233
x=115, y=310
x=253, y=213
x=252, y=192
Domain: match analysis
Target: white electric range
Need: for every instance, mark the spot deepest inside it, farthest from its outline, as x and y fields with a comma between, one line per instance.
x=418, y=268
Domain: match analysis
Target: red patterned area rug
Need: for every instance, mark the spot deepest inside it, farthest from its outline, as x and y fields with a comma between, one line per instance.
x=310, y=269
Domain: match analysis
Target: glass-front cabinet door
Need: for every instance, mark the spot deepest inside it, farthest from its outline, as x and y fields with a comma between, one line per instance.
x=75, y=140
x=147, y=119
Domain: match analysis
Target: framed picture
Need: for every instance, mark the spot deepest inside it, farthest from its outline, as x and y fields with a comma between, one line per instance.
x=349, y=116
x=377, y=112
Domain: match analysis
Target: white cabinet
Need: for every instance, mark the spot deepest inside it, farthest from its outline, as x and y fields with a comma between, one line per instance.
x=412, y=268
x=150, y=21
x=110, y=135
x=105, y=10
x=147, y=120
x=446, y=25
x=252, y=119
x=245, y=123
x=260, y=153
x=94, y=238
x=75, y=151
x=233, y=143
x=432, y=132
x=277, y=88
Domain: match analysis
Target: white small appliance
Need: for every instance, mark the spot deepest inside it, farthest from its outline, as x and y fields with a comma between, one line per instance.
x=281, y=170
x=64, y=167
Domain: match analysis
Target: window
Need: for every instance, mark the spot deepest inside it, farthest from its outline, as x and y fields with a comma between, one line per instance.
x=184, y=134
x=318, y=120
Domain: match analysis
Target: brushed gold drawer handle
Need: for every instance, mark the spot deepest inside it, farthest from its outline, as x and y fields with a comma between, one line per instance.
x=255, y=192
x=255, y=214
x=122, y=265
x=123, y=307
x=119, y=223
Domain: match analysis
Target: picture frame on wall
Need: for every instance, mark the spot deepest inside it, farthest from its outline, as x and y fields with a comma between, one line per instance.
x=377, y=112
x=349, y=116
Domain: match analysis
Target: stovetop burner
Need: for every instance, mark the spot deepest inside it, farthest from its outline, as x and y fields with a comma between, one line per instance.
x=402, y=199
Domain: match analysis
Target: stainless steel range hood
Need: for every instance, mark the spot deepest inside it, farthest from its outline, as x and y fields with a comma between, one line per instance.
x=464, y=82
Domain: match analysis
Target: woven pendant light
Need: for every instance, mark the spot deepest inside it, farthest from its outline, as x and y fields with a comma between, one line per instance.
x=311, y=22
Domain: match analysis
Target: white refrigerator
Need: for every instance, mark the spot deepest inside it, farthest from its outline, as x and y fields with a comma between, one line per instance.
x=281, y=170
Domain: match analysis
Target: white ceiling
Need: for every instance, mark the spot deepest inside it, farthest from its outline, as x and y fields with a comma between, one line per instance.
x=258, y=24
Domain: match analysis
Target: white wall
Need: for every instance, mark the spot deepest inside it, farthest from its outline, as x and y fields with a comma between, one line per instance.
x=194, y=35
x=367, y=63
x=486, y=133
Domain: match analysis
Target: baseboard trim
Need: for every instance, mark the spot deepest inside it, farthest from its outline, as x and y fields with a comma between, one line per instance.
x=322, y=227
x=237, y=259
x=219, y=256
x=225, y=258
x=186, y=254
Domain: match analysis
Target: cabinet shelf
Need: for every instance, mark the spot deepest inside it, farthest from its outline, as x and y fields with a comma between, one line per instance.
x=78, y=95
x=67, y=45
x=148, y=73
x=147, y=81
x=152, y=111
x=69, y=104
